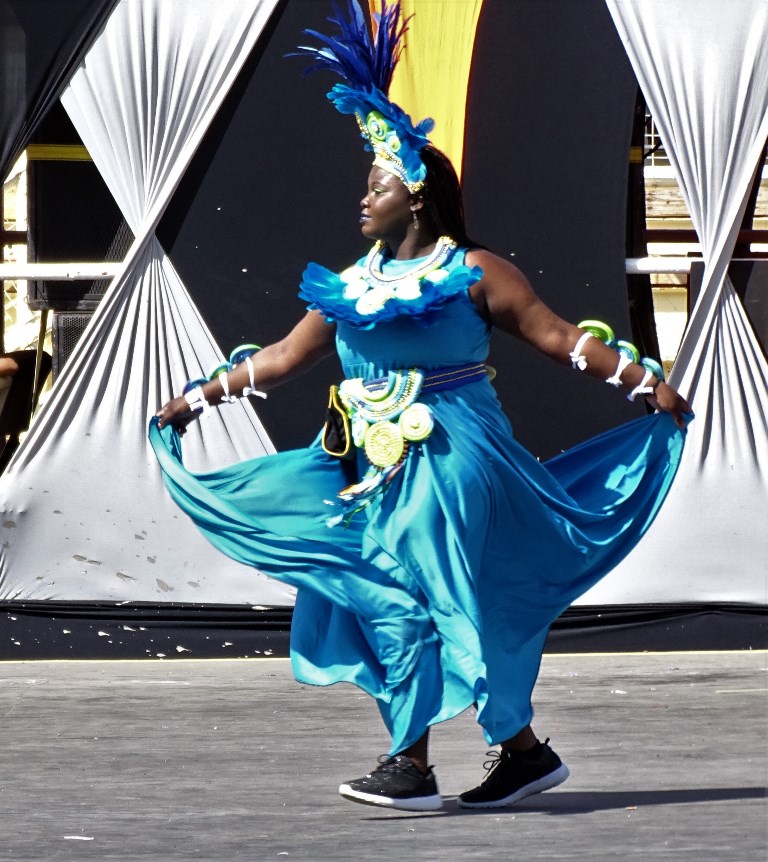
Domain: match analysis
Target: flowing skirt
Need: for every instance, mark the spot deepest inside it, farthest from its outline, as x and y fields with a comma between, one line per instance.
x=441, y=593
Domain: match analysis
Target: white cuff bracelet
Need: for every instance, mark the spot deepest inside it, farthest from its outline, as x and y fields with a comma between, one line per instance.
x=577, y=360
x=642, y=388
x=197, y=401
x=251, y=390
x=624, y=360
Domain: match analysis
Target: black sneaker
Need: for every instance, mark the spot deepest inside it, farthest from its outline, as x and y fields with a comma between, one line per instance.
x=513, y=775
x=396, y=783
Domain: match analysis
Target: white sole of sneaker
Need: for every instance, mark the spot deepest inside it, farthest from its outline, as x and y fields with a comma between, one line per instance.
x=418, y=803
x=538, y=786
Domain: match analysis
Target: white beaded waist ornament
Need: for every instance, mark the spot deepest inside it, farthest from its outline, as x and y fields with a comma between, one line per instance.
x=386, y=419
x=385, y=416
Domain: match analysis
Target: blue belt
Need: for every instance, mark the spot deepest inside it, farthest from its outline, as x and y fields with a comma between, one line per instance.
x=441, y=379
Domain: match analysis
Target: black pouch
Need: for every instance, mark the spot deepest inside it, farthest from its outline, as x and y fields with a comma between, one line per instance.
x=337, y=435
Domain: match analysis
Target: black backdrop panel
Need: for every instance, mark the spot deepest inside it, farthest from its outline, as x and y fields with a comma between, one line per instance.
x=278, y=179
x=41, y=41
x=75, y=630
x=545, y=177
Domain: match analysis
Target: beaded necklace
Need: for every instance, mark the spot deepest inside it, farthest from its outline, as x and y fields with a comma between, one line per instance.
x=369, y=289
x=375, y=277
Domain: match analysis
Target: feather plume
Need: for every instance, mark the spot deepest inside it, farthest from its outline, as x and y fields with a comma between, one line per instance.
x=347, y=100
x=352, y=54
x=365, y=65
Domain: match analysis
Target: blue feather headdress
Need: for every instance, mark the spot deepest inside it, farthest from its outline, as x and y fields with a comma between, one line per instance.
x=366, y=66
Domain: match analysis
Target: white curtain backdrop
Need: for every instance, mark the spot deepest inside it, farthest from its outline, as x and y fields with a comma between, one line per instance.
x=85, y=515
x=703, y=67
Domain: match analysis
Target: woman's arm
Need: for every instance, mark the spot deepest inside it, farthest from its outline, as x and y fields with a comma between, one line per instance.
x=506, y=299
x=311, y=340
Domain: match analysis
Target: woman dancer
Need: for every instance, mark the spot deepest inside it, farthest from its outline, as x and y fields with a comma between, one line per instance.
x=449, y=550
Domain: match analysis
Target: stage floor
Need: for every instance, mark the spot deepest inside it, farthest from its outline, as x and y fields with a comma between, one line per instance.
x=220, y=760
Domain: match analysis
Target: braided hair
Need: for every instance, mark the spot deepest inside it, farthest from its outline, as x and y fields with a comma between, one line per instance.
x=443, y=198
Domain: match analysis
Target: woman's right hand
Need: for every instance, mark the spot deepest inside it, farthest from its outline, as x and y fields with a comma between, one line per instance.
x=176, y=412
x=669, y=400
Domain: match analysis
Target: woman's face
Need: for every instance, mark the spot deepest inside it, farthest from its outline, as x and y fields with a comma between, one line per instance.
x=385, y=211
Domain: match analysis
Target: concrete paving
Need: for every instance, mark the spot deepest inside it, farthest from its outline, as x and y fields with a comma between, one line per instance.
x=220, y=760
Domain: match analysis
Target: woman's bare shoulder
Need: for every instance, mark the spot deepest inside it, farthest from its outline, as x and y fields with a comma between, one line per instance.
x=497, y=272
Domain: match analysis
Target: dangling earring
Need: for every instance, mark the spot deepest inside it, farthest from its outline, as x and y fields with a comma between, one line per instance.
x=415, y=220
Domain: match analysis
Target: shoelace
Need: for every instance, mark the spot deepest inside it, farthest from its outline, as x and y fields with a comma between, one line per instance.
x=395, y=764
x=389, y=764
x=496, y=757
x=492, y=777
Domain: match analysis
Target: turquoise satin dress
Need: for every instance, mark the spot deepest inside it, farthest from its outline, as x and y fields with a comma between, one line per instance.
x=438, y=595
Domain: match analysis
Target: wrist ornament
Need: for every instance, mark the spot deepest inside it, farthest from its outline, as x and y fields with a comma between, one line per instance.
x=251, y=388
x=643, y=388
x=578, y=360
x=220, y=372
x=628, y=354
x=196, y=401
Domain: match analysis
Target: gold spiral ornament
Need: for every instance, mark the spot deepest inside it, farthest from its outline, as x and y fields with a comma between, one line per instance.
x=384, y=444
x=416, y=422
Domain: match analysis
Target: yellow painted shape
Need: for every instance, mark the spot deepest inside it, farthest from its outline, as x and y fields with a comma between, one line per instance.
x=432, y=77
x=58, y=153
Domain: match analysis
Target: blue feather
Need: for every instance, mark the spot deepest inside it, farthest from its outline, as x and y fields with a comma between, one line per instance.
x=323, y=290
x=366, y=64
x=352, y=54
x=389, y=42
x=348, y=100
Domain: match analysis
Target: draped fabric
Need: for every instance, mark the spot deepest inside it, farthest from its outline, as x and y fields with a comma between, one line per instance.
x=84, y=512
x=432, y=77
x=703, y=68
x=85, y=515
x=41, y=42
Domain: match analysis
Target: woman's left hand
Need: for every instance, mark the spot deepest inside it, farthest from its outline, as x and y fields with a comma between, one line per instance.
x=669, y=400
x=176, y=412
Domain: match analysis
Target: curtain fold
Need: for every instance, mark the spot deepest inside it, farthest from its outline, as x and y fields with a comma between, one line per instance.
x=85, y=511
x=703, y=68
